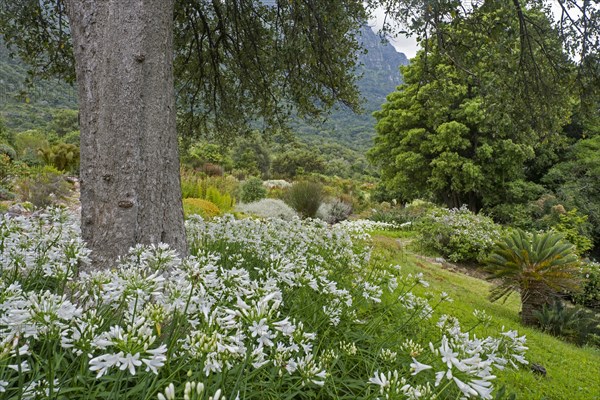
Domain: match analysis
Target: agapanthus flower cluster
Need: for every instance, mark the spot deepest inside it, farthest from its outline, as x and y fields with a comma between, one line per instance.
x=297, y=254
x=229, y=309
x=47, y=245
x=469, y=362
x=192, y=391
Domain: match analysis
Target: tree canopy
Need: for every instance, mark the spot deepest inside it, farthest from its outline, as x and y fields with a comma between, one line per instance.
x=465, y=127
x=236, y=62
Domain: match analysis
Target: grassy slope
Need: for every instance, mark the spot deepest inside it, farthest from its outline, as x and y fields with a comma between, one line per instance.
x=572, y=372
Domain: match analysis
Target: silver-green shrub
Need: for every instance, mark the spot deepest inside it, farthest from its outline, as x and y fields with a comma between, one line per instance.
x=268, y=208
x=334, y=211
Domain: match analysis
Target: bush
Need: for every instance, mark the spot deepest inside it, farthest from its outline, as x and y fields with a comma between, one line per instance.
x=589, y=296
x=277, y=184
x=6, y=194
x=190, y=185
x=73, y=137
x=201, y=207
x=45, y=187
x=305, y=197
x=62, y=156
x=206, y=187
x=575, y=228
x=458, y=234
x=391, y=215
x=334, y=211
x=29, y=142
x=268, y=208
x=212, y=169
x=574, y=324
x=6, y=170
x=252, y=190
x=8, y=150
x=399, y=215
x=222, y=200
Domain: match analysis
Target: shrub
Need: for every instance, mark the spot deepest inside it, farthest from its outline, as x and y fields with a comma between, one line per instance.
x=190, y=185
x=225, y=184
x=62, y=156
x=217, y=190
x=334, y=211
x=8, y=150
x=6, y=194
x=574, y=324
x=6, y=170
x=73, y=137
x=305, y=197
x=386, y=213
x=212, y=169
x=277, y=184
x=268, y=208
x=458, y=234
x=575, y=228
x=46, y=186
x=201, y=207
x=589, y=296
x=222, y=200
x=29, y=142
x=252, y=190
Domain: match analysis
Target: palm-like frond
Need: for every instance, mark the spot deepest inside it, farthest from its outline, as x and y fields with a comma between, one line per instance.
x=521, y=260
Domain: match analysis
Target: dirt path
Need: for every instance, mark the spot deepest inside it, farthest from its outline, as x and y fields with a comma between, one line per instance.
x=473, y=270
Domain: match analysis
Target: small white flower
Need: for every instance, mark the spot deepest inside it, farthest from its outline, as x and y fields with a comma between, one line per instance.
x=158, y=359
x=169, y=393
x=380, y=379
x=448, y=356
x=482, y=387
x=467, y=390
x=130, y=362
x=103, y=363
x=417, y=367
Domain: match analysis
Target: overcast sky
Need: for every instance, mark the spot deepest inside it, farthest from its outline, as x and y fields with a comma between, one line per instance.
x=402, y=43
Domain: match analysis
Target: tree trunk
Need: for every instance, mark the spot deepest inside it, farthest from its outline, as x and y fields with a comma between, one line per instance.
x=533, y=298
x=130, y=188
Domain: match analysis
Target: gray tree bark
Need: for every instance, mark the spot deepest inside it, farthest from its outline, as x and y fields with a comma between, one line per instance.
x=130, y=187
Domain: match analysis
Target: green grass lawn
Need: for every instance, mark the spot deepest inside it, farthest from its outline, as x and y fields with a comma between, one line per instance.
x=572, y=372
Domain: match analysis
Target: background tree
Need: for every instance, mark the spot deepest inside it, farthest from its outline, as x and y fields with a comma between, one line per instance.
x=296, y=159
x=251, y=155
x=576, y=184
x=234, y=61
x=463, y=128
x=578, y=26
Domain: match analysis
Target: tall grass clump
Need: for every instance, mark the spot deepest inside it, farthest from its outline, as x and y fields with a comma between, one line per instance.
x=305, y=197
x=217, y=190
x=260, y=309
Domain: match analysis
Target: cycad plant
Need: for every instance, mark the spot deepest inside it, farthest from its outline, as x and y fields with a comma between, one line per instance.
x=538, y=266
